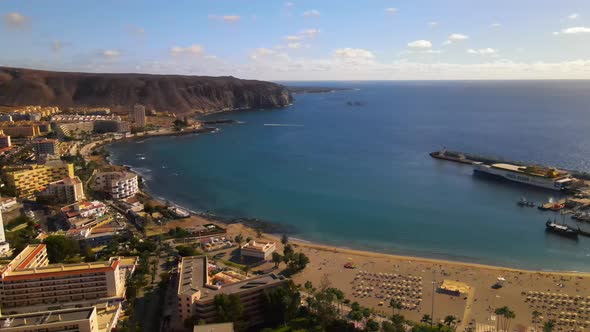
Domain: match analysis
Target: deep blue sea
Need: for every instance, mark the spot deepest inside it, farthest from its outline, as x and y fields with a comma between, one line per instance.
x=361, y=177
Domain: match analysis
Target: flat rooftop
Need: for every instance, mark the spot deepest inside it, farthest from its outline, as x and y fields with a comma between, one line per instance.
x=193, y=278
x=38, y=319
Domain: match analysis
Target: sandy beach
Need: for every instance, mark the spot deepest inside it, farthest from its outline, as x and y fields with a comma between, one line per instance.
x=377, y=276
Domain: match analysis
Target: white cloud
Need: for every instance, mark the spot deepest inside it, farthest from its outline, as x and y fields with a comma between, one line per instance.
x=194, y=49
x=353, y=53
x=15, y=20
x=226, y=18
x=293, y=38
x=495, y=25
x=457, y=37
x=575, y=30
x=434, y=51
x=294, y=45
x=482, y=51
x=311, y=13
x=433, y=24
x=110, y=53
x=391, y=10
x=420, y=44
x=288, y=4
x=573, y=16
x=269, y=55
x=310, y=33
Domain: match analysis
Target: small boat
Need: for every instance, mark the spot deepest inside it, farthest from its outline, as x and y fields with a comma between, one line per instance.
x=584, y=233
x=523, y=202
x=563, y=230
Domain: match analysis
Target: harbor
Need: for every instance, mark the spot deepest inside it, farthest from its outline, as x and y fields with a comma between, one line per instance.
x=572, y=184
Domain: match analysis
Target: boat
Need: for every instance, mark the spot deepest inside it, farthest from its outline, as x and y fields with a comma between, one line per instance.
x=523, y=202
x=548, y=178
x=559, y=229
x=584, y=233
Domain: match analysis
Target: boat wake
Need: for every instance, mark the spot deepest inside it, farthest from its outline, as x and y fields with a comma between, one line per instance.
x=282, y=125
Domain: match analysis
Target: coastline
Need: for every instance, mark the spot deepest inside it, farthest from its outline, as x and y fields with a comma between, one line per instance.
x=244, y=222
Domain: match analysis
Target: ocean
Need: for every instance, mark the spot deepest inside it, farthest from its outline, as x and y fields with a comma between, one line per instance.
x=351, y=168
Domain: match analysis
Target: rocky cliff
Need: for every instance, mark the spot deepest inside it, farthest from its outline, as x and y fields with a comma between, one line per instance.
x=173, y=93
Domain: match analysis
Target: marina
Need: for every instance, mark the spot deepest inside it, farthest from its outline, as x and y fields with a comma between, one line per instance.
x=548, y=178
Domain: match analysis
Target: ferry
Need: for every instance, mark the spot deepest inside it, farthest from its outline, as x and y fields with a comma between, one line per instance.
x=548, y=178
x=564, y=230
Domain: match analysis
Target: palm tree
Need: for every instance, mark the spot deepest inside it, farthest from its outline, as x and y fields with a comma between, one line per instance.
x=395, y=304
x=450, y=320
x=239, y=239
x=549, y=326
x=426, y=319
x=504, y=317
x=246, y=269
x=536, y=316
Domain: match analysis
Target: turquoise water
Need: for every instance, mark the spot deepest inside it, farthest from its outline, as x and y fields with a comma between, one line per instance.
x=361, y=177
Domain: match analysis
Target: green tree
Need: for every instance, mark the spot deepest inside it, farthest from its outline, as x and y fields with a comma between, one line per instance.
x=59, y=248
x=549, y=326
x=426, y=319
x=239, y=239
x=504, y=318
x=229, y=308
x=184, y=251
x=372, y=326
x=450, y=320
x=277, y=259
x=297, y=263
x=395, y=304
x=288, y=252
x=321, y=304
x=284, y=239
x=281, y=304
x=258, y=232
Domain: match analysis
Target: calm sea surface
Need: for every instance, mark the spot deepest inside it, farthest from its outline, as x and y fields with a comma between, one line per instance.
x=361, y=177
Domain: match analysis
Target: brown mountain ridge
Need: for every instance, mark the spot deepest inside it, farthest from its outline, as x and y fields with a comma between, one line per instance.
x=173, y=93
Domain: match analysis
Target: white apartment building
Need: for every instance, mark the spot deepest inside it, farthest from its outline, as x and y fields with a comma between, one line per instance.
x=117, y=184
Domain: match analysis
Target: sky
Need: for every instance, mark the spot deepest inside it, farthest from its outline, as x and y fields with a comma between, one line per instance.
x=302, y=39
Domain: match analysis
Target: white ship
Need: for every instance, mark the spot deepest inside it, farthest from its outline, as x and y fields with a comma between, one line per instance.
x=549, y=178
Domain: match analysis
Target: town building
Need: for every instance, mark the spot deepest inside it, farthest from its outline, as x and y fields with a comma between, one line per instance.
x=197, y=290
x=4, y=246
x=86, y=214
x=257, y=249
x=117, y=184
x=111, y=126
x=131, y=203
x=137, y=115
x=5, y=117
x=217, y=327
x=77, y=319
x=30, y=281
x=68, y=190
x=46, y=147
x=74, y=129
x=15, y=129
x=5, y=141
x=7, y=203
x=29, y=179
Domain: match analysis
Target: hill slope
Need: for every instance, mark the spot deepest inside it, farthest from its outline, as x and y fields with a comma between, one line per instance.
x=174, y=93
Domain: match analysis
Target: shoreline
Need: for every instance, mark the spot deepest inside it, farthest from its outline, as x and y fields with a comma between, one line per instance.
x=335, y=248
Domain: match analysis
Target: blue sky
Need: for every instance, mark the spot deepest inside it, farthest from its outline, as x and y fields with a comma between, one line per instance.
x=303, y=40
